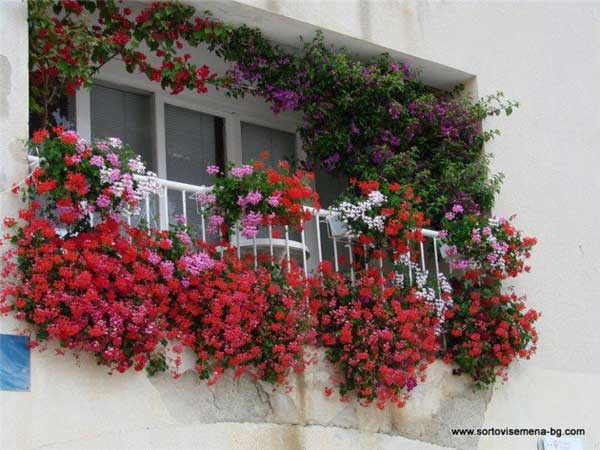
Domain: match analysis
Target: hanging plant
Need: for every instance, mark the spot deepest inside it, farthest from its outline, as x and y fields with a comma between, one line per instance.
x=488, y=326
x=381, y=334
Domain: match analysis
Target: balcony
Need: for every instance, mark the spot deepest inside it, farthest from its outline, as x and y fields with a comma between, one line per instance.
x=322, y=238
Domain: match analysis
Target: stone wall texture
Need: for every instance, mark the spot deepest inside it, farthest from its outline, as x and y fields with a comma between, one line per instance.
x=543, y=54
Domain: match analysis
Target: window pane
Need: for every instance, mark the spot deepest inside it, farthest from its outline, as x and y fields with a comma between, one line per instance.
x=329, y=187
x=280, y=144
x=126, y=115
x=191, y=144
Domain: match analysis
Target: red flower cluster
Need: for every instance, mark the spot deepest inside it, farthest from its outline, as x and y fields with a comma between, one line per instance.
x=381, y=336
x=121, y=293
x=93, y=292
x=66, y=51
x=118, y=292
x=488, y=332
x=487, y=329
x=235, y=317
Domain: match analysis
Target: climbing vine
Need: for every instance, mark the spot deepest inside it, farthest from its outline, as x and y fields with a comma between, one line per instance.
x=395, y=138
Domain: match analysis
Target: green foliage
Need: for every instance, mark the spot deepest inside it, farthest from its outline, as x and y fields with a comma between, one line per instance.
x=157, y=364
x=374, y=120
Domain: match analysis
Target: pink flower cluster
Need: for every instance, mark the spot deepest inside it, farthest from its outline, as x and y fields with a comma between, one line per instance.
x=242, y=171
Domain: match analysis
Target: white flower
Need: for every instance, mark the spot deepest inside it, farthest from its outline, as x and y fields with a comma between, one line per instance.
x=350, y=212
x=115, y=142
x=377, y=198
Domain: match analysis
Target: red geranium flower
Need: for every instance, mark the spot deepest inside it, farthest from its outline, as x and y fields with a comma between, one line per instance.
x=76, y=182
x=39, y=136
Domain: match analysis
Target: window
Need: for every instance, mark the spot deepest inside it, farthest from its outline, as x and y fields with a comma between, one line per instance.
x=193, y=140
x=126, y=115
x=279, y=144
x=178, y=141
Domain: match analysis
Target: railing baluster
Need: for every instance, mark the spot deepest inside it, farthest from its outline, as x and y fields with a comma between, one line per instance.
x=165, y=220
x=237, y=239
x=147, y=205
x=287, y=247
x=437, y=266
x=271, y=239
x=319, y=251
x=221, y=243
x=422, y=248
x=335, y=255
x=184, y=204
x=203, y=223
x=351, y=262
x=255, y=252
x=303, y=248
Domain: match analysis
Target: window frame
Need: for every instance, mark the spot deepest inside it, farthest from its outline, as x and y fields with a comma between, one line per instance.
x=218, y=106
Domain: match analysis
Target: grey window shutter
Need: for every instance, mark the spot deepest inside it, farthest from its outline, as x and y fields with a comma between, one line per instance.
x=255, y=139
x=126, y=115
x=191, y=145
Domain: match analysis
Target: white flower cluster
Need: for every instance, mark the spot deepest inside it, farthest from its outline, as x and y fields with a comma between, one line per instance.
x=147, y=181
x=146, y=185
x=133, y=188
x=496, y=256
x=115, y=142
x=136, y=165
x=419, y=279
x=352, y=212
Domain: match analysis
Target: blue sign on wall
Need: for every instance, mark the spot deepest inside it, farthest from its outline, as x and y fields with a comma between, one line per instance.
x=15, y=364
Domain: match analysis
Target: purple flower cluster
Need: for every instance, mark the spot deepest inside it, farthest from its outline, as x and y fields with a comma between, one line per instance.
x=214, y=223
x=213, y=170
x=251, y=198
x=283, y=100
x=242, y=171
x=197, y=263
x=250, y=223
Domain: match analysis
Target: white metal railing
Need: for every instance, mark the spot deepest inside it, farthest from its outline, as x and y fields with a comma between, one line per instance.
x=308, y=250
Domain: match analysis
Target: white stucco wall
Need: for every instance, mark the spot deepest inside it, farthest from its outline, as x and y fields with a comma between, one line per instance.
x=15, y=409
x=545, y=54
x=542, y=54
